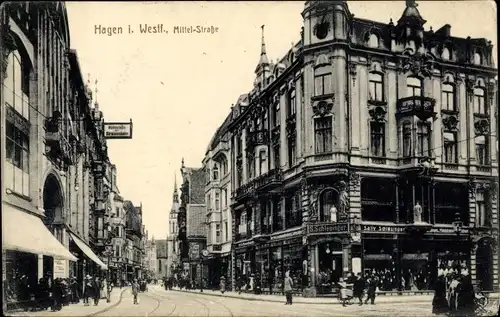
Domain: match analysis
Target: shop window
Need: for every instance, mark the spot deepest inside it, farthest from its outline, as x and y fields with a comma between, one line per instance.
x=277, y=215
x=450, y=199
x=377, y=199
x=448, y=97
x=414, y=87
x=450, y=147
x=481, y=150
x=376, y=87
x=323, y=83
x=323, y=134
x=377, y=131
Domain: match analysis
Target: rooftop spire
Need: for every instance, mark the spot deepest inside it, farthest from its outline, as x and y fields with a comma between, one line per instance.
x=176, y=194
x=411, y=14
x=263, y=61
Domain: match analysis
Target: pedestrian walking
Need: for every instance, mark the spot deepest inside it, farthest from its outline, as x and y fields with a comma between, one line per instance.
x=96, y=288
x=106, y=289
x=288, y=285
x=372, y=288
x=358, y=288
x=439, y=302
x=135, y=290
x=87, y=290
x=222, y=284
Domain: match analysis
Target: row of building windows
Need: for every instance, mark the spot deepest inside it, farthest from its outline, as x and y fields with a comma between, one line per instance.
x=374, y=42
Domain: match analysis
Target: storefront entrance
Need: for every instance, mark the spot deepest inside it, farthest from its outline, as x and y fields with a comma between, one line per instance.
x=53, y=206
x=484, y=265
x=330, y=266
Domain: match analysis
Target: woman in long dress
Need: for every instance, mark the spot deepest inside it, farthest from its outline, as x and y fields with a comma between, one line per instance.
x=439, y=302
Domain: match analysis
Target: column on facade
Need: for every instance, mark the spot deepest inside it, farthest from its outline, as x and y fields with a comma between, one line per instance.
x=283, y=134
x=470, y=117
x=339, y=72
x=256, y=216
x=392, y=96
x=463, y=121
x=299, y=112
x=492, y=141
x=243, y=140
x=355, y=125
x=435, y=133
x=363, y=110
x=283, y=209
x=308, y=127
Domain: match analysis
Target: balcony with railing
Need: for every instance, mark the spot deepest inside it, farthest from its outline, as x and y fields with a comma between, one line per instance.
x=57, y=146
x=267, y=182
x=420, y=106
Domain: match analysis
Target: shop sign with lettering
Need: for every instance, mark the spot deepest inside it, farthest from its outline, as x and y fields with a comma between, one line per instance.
x=379, y=228
x=118, y=130
x=326, y=228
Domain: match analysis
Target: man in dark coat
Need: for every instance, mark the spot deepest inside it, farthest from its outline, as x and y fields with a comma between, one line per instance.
x=96, y=290
x=358, y=288
x=372, y=288
x=439, y=302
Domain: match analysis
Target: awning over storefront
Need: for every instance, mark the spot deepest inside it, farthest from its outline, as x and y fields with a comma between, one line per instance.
x=88, y=252
x=26, y=233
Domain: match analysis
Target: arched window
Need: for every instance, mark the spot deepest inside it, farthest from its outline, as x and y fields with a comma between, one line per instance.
x=328, y=201
x=373, y=41
x=448, y=97
x=414, y=86
x=16, y=92
x=376, y=85
x=479, y=101
x=446, y=54
x=478, y=60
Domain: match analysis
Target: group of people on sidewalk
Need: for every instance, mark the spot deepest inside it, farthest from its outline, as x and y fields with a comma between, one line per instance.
x=353, y=286
x=96, y=289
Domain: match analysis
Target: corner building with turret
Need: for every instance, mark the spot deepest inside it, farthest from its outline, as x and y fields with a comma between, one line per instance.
x=369, y=147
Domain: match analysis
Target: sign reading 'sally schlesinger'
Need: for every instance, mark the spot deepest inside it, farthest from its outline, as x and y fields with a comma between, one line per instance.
x=118, y=130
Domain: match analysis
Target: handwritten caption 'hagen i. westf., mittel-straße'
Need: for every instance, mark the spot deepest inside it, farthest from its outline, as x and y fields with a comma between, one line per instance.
x=159, y=28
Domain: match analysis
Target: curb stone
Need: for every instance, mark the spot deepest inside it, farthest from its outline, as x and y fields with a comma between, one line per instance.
x=110, y=307
x=263, y=299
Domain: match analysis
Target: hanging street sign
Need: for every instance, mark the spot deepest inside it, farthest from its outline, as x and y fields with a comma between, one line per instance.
x=118, y=130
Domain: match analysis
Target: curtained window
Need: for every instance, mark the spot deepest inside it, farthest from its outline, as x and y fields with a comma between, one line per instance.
x=448, y=97
x=450, y=147
x=376, y=87
x=323, y=134
x=377, y=130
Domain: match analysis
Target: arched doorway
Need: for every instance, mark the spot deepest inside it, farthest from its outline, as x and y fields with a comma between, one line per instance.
x=484, y=264
x=330, y=265
x=329, y=203
x=54, y=221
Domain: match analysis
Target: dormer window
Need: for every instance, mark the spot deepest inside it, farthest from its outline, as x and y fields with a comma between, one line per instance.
x=373, y=41
x=414, y=87
x=478, y=60
x=446, y=54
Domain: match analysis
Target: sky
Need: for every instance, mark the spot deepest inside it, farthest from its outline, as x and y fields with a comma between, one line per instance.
x=178, y=88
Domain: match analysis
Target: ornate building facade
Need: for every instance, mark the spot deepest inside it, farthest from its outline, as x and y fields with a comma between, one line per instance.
x=369, y=146
x=217, y=200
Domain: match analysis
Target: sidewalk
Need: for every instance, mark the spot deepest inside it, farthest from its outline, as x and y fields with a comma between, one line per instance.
x=79, y=309
x=307, y=300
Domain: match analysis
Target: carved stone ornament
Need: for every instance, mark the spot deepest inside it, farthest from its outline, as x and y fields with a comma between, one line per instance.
x=450, y=123
x=491, y=87
x=471, y=83
x=322, y=108
x=418, y=64
x=322, y=28
x=354, y=180
x=8, y=43
x=481, y=127
x=353, y=72
x=378, y=114
x=472, y=186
